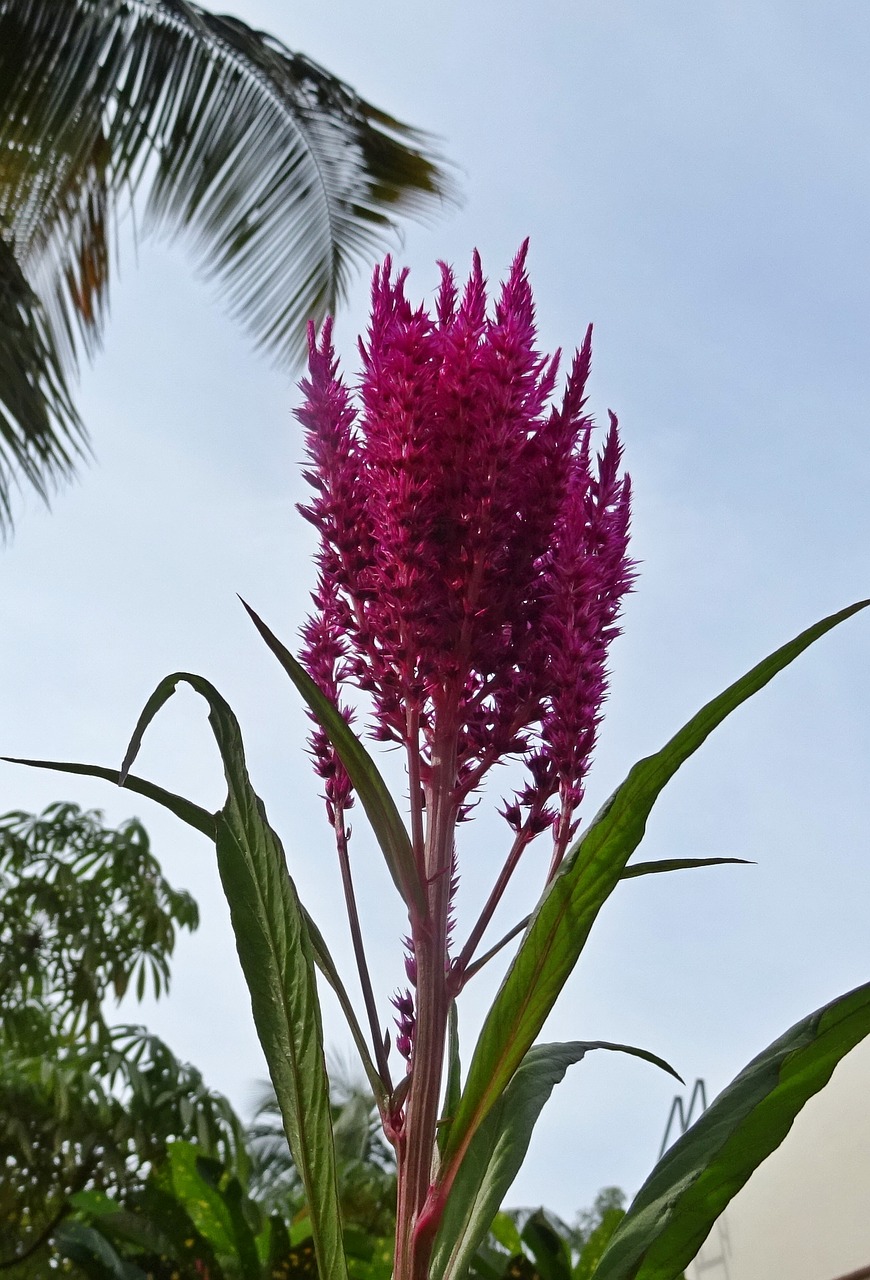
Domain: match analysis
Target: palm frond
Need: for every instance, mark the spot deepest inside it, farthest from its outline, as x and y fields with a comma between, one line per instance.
x=40, y=431
x=280, y=173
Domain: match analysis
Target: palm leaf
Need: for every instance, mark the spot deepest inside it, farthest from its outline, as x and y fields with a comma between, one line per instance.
x=40, y=431
x=282, y=175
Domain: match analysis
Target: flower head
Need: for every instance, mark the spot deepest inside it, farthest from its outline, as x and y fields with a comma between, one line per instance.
x=473, y=556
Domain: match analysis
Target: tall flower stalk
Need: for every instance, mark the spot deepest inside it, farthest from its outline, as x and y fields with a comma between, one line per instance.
x=473, y=557
x=472, y=561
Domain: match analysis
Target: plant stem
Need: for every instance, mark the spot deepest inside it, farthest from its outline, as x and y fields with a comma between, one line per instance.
x=417, y=1146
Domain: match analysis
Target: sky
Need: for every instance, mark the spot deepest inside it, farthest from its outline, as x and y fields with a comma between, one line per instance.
x=694, y=180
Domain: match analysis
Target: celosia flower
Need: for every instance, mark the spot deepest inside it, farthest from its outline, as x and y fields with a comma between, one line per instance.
x=472, y=561
x=472, y=556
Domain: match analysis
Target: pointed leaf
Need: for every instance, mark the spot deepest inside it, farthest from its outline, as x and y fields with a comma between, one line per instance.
x=193, y=814
x=677, y=1206
x=565, y=915
x=453, y=1088
x=379, y=805
x=276, y=954
x=678, y=864
x=499, y=1147
x=92, y=1252
x=326, y=965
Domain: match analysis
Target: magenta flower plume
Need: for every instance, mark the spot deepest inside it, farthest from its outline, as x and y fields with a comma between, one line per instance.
x=472, y=558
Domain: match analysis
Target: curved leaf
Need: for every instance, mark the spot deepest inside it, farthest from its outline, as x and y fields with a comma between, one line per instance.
x=379, y=805
x=90, y=1250
x=326, y=965
x=677, y=1206
x=201, y=820
x=193, y=814
x=276, y=955
x=499, y=1146
x=564, y=917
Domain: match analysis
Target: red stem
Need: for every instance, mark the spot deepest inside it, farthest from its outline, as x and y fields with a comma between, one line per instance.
x=417, y=1145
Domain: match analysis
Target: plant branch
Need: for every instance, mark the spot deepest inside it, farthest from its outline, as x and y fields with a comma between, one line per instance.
x=359, y=951
x=493, y=951
x=522, y=839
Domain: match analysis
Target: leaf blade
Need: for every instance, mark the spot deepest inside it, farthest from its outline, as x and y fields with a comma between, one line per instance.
x=499, y=1146
x=679, y=864
x=277, y=958
x=564, y=917
x=677, y=1206
x=193, y=814
x=374, y=795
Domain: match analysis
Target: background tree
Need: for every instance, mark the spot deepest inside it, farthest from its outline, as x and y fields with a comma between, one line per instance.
x=280, y=171
x=84, y=1105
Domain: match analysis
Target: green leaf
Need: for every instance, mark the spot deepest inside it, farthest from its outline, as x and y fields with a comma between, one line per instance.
x=679, y=864
x=200, y=1198
x=93, y=1254
x=201, y=820
x=499, y=1146
x=453, y=1087
x=505, y=1231
x=276, y=954
x=548, y=1247
x=566, y=913
x=379, y=805
x=193, y=814
x=686, y=1192
x=326, y=965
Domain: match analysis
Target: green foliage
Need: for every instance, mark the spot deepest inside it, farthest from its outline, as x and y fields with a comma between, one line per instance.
x=84, y=913
x=365, y=1163
x=489, y=1123
x=498, y=1148
x=524, y=1245
x=561, y=924
x=674, y=1211
x=278, y=962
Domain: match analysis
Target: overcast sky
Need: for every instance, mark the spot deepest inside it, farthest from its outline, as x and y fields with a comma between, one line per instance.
x=695, y=181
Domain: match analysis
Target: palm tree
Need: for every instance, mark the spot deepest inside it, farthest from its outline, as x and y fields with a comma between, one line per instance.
x=284, y=175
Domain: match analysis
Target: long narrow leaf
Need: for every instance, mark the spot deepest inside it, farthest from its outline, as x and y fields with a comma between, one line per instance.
x=564, y=917
x=379, y=805
x=326, y=965
x=201, y=820
x=677, y=1206
x=678, y=864
x=276, y=954
x=499, y=1146
x=193, y=814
